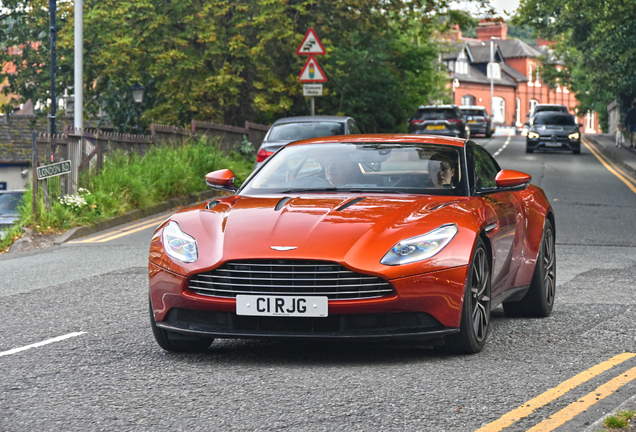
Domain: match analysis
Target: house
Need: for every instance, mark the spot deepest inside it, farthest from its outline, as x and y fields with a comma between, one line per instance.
x=517, y=84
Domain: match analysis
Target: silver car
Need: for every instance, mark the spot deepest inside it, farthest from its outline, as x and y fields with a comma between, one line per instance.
x=9, y=214
x=290, y=129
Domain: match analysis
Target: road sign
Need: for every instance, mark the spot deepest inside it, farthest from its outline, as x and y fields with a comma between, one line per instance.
x=311, y=45
x=312, y=89
x=311, y=72
x=53, y=170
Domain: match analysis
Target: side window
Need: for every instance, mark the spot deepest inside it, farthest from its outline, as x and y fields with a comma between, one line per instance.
x=485, y=170
x=353, y=127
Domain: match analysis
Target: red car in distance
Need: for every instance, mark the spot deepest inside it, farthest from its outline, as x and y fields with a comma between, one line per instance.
x=367, y=237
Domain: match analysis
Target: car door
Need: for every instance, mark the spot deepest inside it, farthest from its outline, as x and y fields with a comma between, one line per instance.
x=504, y=220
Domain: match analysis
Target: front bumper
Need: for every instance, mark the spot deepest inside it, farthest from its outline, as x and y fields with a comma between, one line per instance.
x=423, y=307
x=542, y=143
x=477, y=128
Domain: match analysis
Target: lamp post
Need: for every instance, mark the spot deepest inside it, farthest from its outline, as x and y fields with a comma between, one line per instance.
x=137, y=91
x=492, y=75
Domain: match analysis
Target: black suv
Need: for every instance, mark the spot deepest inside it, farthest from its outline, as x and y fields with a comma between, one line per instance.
x=445, y=120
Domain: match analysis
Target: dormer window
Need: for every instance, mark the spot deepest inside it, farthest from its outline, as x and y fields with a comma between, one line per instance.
x=461, y=67
x=494, y=70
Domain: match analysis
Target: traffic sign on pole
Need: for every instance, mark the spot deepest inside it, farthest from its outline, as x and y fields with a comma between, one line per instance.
x=311, y=72
x=311, y=45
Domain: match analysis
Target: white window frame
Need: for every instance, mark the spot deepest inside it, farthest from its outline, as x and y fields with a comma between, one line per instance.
x=494, y=69
x=472, y=101
x=499, y=110
x=530, y=83
x=531, y=104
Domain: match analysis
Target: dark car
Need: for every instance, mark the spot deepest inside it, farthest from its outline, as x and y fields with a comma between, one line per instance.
x=9, y=214
x=478, y=120
x=446, y=120
x=553, y=131
x=290, y=129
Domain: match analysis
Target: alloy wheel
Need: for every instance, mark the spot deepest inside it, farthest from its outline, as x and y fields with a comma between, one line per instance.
x=480, y=295
x=549, y=267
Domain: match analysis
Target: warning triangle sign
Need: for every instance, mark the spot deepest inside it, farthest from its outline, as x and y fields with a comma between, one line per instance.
x=311, y=72
x=311, y=45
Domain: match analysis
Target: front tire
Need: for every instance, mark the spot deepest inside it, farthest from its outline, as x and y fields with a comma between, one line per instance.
x=475, y=321
x=539, y=299
x=170, y=341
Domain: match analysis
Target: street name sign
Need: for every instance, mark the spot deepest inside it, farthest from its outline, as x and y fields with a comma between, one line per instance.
x=312, y=89
x=53, y=170
x=311, y=72
x=311, y=45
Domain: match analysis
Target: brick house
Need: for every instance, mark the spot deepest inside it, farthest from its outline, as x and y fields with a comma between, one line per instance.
x=518, y=86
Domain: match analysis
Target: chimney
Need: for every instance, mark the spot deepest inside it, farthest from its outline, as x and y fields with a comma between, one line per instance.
x=489, y=27
x=456, y=32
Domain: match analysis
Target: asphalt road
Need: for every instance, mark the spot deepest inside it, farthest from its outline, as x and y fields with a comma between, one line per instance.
x=109, y=374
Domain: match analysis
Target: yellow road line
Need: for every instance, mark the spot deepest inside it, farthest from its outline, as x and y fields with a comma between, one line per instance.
x=545, y=398
x=610, y=166
x=123, y=231
x=576, y=408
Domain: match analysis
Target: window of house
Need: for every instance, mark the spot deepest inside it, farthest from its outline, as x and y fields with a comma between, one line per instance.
x=468, y=100
x=518, y=112
x=589, y=121
x=494, y=70
x=530, y=83
x=461, y=67
x=531, y=104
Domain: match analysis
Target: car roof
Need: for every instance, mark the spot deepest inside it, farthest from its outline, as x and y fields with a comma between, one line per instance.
x=436, y=106
x=383, y=138
x=303, y=119
x=466, y=107
x=550, y=105
x=556, y=113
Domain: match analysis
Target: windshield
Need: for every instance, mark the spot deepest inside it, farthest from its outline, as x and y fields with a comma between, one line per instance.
x=305, y=130
x=9, y=203
x=557, y=108
x=436, y=114
x=347, y=167
x=474, y=112
x=555, y=120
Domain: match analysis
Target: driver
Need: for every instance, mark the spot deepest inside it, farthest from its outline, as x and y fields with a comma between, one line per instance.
x=442, y=171
x=337, y=169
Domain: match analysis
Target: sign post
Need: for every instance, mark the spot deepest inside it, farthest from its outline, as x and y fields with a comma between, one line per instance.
x=311, y=72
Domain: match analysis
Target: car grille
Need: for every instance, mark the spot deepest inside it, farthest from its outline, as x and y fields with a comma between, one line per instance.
x=288, y=277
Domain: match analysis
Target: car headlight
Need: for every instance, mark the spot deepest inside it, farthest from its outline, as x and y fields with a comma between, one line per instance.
x=421, y=247
x=533, y=135
x=178, y=244
x=574, y=136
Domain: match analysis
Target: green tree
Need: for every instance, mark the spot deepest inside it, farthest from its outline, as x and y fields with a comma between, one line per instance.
x=596, y=41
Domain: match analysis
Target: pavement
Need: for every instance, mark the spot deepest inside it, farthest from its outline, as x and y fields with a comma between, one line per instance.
x=624, y=156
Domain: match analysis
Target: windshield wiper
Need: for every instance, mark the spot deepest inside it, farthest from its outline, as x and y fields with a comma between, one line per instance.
x=329, y=189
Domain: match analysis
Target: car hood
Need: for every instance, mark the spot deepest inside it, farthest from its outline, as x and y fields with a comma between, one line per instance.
x=353, y=229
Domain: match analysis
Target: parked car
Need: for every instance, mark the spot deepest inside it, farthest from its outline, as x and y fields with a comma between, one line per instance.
x=446, y=120
x=290, y=129
x=9, y=214
x=371, y=237
x=553, y=130
x=478, y=120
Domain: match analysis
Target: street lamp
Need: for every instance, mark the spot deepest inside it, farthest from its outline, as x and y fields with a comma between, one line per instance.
x=137, y=91
x=492, y=74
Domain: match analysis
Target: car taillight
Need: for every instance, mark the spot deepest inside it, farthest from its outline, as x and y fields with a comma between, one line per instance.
x=454, y=120
x=416, y=122
x=263, y=154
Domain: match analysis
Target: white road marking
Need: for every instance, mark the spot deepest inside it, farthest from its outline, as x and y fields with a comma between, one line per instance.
x=39, y=344
x=504, y=146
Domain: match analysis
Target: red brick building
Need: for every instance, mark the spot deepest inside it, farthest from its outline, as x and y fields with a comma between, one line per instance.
x=518, y=86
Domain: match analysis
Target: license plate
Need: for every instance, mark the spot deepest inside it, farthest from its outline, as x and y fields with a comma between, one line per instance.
x=435, y=127
x=553, y=144
x=472, y=121
x=269, y=305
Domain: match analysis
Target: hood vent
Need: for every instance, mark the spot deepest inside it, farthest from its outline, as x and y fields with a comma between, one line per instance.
x=211, y=204
x=350, y=203
x=281, y=203
x=442, y=205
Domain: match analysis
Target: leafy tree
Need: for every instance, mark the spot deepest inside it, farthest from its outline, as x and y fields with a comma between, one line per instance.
x=596, y=42
x=234, y=60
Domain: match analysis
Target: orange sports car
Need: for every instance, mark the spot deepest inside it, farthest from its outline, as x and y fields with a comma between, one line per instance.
x=360, y=236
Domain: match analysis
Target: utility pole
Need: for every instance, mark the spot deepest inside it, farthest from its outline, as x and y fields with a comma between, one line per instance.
x=492, y=83
x=53, y=34
x=78, y=84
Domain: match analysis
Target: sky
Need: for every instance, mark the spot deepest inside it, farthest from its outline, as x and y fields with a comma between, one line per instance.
x=504, y=8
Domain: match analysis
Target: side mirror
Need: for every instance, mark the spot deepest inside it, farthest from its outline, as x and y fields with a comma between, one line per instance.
x=527, y=123
x=512, y=179
x=580, y=125
x=221, y=179
x=527, y=114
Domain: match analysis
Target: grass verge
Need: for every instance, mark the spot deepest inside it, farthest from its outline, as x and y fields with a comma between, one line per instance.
x=129, y=181
x=622, y=421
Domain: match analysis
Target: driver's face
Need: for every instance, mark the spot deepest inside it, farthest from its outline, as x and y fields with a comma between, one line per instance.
x=441, y=172
x=336, y=172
